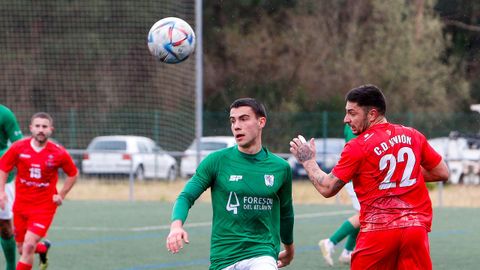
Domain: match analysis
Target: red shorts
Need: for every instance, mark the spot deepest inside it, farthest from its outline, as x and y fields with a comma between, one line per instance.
x=402, y=248
x=37, y=222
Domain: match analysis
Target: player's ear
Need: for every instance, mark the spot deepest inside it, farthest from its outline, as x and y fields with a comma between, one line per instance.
x=372, y=114
x=262, y=121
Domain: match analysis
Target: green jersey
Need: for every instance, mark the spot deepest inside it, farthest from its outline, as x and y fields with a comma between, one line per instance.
x=251, y=201
x=348, y=133
x=9, y=131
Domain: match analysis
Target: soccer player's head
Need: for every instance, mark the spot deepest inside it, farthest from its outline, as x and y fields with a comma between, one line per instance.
x=365, y=106
x=247, y=118
x=256, y=106
x=41, y=127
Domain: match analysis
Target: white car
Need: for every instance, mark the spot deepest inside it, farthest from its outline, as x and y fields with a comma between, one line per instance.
x=462, y=155
x=327, y=155
x=122, y=155
x=188, y=164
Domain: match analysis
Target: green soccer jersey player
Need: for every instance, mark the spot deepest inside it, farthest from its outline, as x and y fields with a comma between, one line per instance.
x=251, y=191
x=9, y=132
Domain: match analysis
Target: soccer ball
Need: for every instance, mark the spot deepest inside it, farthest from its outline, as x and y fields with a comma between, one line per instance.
x=171, y=40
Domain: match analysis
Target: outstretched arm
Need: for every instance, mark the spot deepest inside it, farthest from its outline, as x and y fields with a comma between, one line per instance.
x=326, y=184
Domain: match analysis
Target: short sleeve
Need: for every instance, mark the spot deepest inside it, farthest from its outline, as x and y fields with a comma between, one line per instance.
x=68, y=166
x=430, y=157
x=9, y=159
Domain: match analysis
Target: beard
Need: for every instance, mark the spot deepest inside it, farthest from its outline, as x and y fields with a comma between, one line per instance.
x=41, y=138
x=360, y=129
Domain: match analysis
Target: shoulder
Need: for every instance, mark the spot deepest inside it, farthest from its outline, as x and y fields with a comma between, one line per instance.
x=223, y=152
x=6, y=112
x=21, y=143
x=4, y=108
x=276, y=158
x=53, y=146
x=410, y=131
x=278, y=161
x=219, y=155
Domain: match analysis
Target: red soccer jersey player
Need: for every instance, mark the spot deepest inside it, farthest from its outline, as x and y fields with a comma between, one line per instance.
x=392, y=193
x=37, y=161
x=389, y=183
x=389, y=165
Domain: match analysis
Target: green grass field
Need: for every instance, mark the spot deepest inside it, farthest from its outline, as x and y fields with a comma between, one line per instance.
x=131, y=235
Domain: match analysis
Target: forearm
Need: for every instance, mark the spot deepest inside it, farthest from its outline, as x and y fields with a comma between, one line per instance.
x=289, y=248
x=320, y=179
x=326, y=184
x=286, y=229
x=3, y=179
x=67, y=186
x=439, y=173
x=430, y=177
x=190, y=193
x=180, y=210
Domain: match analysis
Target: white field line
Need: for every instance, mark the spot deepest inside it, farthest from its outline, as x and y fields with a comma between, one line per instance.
x=188, y=225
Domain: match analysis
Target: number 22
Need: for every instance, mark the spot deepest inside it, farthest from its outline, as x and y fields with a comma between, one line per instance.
x=390, y=159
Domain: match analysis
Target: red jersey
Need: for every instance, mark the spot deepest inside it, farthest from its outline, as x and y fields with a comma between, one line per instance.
x=37, y=172
x=384, y=163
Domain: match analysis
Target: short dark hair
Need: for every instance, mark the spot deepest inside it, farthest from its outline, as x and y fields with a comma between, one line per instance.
x=257, y=107
x=43, y=115
x=368, y=96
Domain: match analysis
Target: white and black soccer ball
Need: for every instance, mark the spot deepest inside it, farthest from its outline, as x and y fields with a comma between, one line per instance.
x=171, y=40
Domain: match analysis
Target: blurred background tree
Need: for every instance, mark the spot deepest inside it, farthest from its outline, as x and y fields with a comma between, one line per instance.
x=461, y=24
x=305, y=55
x=86, y=62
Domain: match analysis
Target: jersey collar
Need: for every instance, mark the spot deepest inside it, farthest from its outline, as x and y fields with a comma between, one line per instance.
x=261, y=155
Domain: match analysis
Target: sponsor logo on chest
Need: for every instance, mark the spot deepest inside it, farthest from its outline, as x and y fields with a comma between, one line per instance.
x=25, y=156
x=235, y=178
x=248, y=203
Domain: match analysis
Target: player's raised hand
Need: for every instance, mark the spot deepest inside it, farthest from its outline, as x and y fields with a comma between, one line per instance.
x=301, y=149
x=176, y=237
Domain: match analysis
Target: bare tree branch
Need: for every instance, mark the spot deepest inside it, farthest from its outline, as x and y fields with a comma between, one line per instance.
x=462, y=25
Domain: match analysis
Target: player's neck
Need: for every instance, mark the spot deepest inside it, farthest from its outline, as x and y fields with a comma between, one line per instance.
x=251, y=149
x=379, y=120
x=36, y=145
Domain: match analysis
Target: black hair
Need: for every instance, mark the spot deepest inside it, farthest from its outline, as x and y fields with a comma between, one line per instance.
x=368, y=96
x=257, y=107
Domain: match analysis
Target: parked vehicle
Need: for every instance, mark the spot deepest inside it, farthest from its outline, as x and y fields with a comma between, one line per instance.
x=188, y=163
x=122, y=155
x=327, y=155
x=462, y=155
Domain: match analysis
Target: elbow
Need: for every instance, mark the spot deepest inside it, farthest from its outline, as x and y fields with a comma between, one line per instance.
x=328, y=193
x=440, y=173
x=72, y=179
x=444, y=178
x=445, y=174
